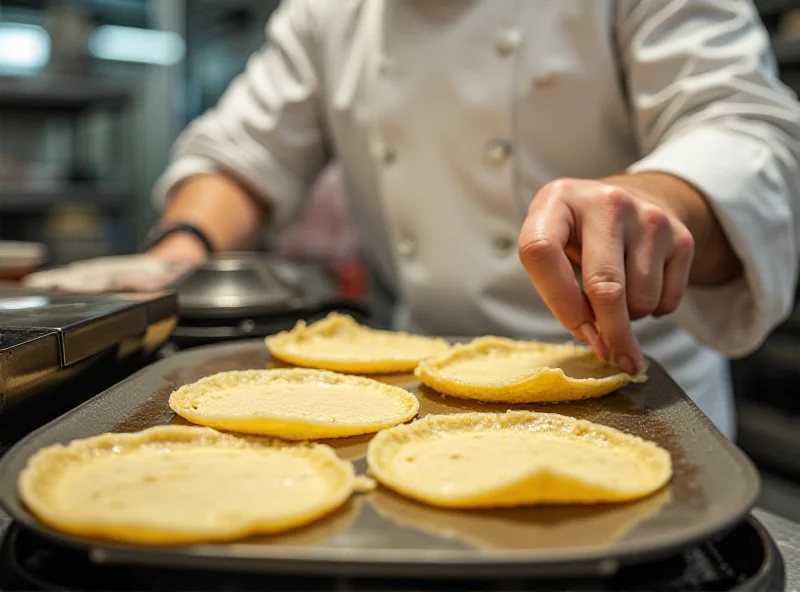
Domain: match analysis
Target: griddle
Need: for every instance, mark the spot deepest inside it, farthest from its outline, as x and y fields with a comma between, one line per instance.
x=380, y=534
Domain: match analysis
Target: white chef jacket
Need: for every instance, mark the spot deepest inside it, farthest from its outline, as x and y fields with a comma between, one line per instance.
x=448, y=115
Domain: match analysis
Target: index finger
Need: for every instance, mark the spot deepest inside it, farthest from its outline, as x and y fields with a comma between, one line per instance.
x=605, y=284
x=542, y=240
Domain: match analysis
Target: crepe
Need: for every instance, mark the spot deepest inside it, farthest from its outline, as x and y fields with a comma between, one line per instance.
x=518, y=458
x=293, y=403
x=174, y=484
x=495, y=369
x=339, y=343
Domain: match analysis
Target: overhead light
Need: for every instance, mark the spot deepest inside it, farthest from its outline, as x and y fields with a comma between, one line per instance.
x=24, y=302
x=23, y=46
x=129, y=44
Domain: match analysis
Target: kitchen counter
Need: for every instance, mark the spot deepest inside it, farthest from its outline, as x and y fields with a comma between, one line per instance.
x=785, y=533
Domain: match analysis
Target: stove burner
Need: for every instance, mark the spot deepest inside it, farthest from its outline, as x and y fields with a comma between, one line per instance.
x=239, y=285
x=192, y=332
x=245, y=296
x=744, y=560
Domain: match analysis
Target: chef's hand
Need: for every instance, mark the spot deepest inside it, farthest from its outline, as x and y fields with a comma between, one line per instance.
x=137, y=273
x=149, y=272
x=634, y=255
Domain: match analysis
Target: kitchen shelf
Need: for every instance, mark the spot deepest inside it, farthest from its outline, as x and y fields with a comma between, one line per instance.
x=75, y=100
x=60, y=92
x=25, y=199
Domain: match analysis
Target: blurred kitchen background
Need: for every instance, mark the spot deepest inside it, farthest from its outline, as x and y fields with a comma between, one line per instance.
x=94, y=92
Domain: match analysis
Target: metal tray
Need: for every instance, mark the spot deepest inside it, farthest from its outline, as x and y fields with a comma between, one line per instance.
x=382, y=534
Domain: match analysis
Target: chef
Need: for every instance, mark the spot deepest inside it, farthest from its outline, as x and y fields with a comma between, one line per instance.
x=622, y=172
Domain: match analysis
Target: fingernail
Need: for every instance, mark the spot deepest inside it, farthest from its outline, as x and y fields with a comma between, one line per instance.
x=590, y=334
x=626, y=364
x=577, y=336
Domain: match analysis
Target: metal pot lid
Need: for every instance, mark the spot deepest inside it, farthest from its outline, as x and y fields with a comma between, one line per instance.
x=237, y=285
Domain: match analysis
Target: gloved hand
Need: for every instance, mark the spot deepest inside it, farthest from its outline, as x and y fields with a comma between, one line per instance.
x=131, y=273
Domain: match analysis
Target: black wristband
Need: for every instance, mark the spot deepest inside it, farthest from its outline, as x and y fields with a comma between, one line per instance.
x=158, y=234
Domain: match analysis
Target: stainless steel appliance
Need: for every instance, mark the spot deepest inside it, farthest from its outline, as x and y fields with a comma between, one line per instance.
x=48, y=339
x=241, y=296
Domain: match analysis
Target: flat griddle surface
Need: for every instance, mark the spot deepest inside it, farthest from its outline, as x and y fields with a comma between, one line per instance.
x=381, y=534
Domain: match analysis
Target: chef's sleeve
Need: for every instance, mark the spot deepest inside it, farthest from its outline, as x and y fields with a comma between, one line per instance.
x=708, y=107
x=266, y=130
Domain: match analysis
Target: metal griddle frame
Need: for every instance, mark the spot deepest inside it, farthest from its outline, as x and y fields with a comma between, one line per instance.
x=380, y=534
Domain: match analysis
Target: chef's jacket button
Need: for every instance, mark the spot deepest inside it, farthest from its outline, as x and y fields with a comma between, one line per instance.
x=508, y=41
x=503, y=245
x=497, y=151
x=387, y=154
x=405, y=247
